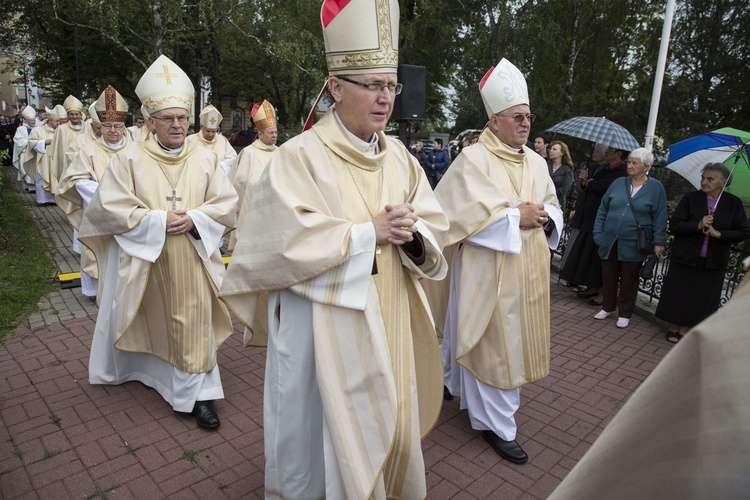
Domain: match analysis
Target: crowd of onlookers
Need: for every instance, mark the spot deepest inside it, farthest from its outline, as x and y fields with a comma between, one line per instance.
x=618, y=221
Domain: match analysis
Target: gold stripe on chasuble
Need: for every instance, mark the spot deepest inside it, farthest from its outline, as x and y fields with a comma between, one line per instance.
x=174, y=318
x=390, y=283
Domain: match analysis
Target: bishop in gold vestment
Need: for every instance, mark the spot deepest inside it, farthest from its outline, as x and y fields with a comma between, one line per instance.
x=341, y=228
x=154, y=225
x=494, y=309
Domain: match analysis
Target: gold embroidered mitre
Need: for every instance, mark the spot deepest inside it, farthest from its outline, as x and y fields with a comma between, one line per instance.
x=72, y=104
x=210, y=117
x=111, y=107
x=264, y=116
x=361, y=36
x=28, y=112
x=503, y=87
x=164, y=85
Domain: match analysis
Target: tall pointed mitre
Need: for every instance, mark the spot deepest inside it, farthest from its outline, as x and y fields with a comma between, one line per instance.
x=264, y=115
x=60, y=111
x=503, y=87
x=210, y=117
x=111, y=107
x=145, y=113
x=51, y=113
x=72, y=104
x=164, y=85
x=361, y=36
x=28, y=113
x=92, y=113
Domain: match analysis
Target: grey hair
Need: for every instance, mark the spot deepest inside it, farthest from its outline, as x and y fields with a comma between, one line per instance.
x=721, y=169
x=644, y=155
x=600, y=148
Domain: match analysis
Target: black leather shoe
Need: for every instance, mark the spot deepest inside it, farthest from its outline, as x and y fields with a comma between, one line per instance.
x=509, y=450
x=447, y=394
x=204, y=415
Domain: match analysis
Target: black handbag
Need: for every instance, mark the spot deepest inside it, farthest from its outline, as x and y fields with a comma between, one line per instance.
x=645, y=234
x=647, y=270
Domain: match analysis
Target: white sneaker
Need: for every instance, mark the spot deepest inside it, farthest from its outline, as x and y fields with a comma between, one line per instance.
x=623, y=322
x=603, y=314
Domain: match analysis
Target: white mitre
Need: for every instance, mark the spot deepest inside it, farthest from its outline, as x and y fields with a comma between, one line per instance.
x=28, y=113
x=210, y=117
x=164, y=85
x=361, y=36
x=60, y=112
x=72, y=104
x=51, y=113
x=503, y=87
x=144, y=112
x=92, y=113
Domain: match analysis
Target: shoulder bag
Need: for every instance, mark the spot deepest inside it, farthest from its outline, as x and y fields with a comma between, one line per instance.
x=645, y=240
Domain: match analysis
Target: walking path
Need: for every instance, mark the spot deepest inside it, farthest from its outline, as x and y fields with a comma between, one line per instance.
x=63, y=438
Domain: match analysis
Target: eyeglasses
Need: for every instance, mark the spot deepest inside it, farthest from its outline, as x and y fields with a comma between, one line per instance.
x=520, y=117
x=171, y=119
x=379, y=87
x=116, y=126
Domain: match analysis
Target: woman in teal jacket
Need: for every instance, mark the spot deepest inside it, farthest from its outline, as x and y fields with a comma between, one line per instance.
x=615, y=233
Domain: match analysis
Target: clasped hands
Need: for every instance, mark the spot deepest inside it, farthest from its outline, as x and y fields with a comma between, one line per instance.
x=705, y=225
x=179, y=222
x=395, y=224
x=533, y=216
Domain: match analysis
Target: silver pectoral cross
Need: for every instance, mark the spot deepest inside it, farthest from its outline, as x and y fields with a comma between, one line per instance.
x=173, y=199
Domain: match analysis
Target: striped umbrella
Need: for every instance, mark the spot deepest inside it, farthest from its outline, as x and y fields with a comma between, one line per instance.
x=597, y=129
x=726, y=145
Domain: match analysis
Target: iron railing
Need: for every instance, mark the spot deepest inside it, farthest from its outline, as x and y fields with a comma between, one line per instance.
x=652, y=288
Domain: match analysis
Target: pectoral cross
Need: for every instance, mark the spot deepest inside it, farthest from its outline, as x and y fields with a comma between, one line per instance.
x=173, y=199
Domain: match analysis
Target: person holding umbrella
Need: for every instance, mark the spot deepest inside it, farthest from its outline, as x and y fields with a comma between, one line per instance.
x=630, y=202
x=705, y=224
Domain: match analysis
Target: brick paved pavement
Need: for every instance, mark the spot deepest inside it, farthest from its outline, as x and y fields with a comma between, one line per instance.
x=63, y=438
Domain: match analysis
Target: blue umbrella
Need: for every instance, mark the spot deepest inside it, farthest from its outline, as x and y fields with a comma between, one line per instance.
x=597, y=129
x=726, y=145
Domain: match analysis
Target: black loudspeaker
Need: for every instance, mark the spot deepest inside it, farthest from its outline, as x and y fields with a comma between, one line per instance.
x=411, y=103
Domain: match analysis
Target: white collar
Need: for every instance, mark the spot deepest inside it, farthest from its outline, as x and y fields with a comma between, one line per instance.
x=170, y=152
x=370, y=148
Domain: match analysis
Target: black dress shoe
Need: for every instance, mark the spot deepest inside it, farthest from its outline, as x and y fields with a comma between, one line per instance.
x=509, y=450
x=447, y=394
x=204, y=415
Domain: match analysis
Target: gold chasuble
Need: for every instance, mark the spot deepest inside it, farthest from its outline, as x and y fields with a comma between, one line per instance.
x=503, y=335
x=245, y=174
x=219, y=145
x=168, y=308
x=34, y=161
x=89, y=164
x=379, y=369
x=64, y=135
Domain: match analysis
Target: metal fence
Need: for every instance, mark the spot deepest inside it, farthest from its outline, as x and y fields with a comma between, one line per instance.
x=732, y=278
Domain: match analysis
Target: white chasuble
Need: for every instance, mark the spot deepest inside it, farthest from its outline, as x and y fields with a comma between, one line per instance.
x=367, y=360
x=502, y=300
x=58, y=161
x=245, y=174
x=78, y=184
x=36, y=159
x=219, y=145
x=166, y=301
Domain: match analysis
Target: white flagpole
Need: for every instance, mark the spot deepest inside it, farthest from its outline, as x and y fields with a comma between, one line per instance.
x=659, y=76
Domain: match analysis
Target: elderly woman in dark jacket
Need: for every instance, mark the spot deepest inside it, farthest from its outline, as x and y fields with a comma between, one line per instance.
x=615, y=233
x=704, y=225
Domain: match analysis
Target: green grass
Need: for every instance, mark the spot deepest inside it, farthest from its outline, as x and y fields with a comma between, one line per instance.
x=189, y=455
x=25, y=267
x=55, y=419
